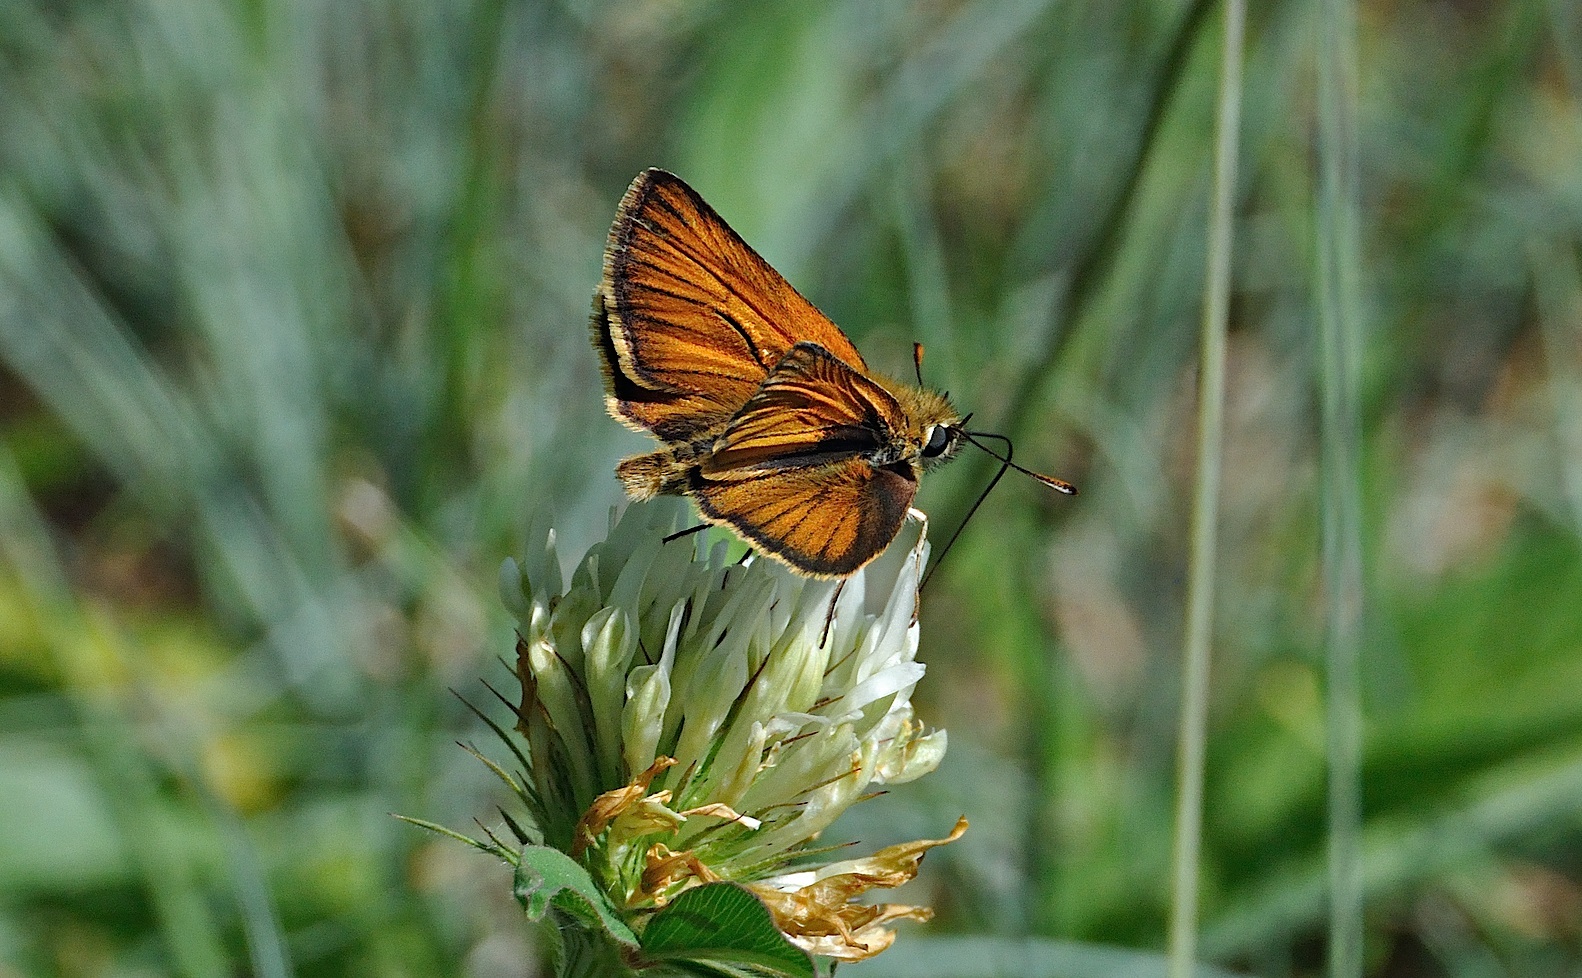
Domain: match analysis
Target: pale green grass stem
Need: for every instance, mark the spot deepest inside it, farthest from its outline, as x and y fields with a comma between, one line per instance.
x=1205, y=507
x=1338, y=321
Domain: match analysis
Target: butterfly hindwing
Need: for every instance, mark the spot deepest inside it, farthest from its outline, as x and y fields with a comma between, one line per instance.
x=811, y=410
x=689, y=319
x=824, y=521
x=800, y=469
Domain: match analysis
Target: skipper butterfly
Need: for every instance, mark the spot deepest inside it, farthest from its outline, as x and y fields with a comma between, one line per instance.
x=771, y=421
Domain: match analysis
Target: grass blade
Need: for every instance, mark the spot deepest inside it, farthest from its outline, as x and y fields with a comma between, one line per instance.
x=1338, y=315
x=1205, y=507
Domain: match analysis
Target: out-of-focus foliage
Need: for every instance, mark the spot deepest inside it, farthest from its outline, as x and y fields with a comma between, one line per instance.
x=292, y=351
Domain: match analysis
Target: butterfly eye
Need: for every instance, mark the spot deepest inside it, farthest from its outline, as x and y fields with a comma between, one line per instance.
x=939, y=440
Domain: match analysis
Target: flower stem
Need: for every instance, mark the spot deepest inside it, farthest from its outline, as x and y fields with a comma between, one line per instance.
x=1205, y=506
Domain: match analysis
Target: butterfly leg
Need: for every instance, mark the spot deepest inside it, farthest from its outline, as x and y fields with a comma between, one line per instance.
x=829, y=618
x=685, y=533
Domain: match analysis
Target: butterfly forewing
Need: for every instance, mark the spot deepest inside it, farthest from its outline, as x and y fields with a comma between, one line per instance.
x=826, y=521
x=671, y=415
x=690, y=320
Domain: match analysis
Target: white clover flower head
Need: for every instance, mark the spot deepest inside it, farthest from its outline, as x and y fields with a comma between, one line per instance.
x=692, y=719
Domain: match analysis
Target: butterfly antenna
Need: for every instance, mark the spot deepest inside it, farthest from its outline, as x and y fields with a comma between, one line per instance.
x=1006, y=464
x=917, y=362
x=1059, y=485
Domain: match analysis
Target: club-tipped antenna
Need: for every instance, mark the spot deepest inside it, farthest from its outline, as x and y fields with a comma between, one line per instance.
x=1006, y=464
x=917, y=362
x=1059, y=485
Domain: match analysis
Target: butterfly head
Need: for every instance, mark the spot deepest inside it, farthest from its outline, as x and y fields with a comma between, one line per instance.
x=934, y=426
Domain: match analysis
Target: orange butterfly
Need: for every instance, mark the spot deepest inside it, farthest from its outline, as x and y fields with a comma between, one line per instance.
x=771, y=421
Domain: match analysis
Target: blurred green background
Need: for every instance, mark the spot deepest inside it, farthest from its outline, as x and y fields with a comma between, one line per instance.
x=293, y=351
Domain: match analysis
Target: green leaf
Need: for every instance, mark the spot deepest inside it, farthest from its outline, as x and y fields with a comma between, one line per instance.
x=726, y=930
x=548, y=878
